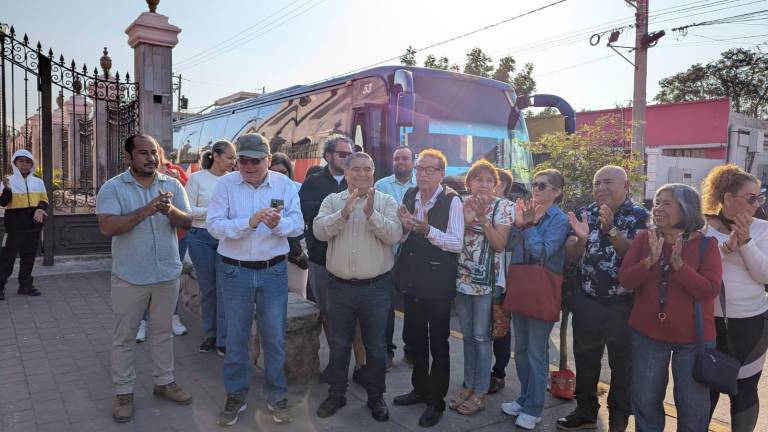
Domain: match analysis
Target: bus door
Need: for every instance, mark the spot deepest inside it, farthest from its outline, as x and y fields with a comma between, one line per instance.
x=369, y=133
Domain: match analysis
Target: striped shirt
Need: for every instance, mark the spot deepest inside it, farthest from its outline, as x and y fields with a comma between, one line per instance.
x=453, y=238
x=233, y=202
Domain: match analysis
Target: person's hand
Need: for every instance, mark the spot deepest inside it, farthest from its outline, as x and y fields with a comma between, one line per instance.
x=349, y=207
x=732, y=244
x=580, y=228
x=655, y=244
x=743, y=222
x=164, y=204
x=259, y=217
x=405, y=217
x=677, y=253
x=481, y=204
x=7, y=182
x=421, y=226
x=40, y=214
x=527, y=213
x=606, y=218
x=153, y=205
x=368, y=207
x=272, y=217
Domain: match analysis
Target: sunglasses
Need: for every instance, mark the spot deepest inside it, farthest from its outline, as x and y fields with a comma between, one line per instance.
x=541, y=186
x=756, y=199
x=427, y=170
x=249, y=161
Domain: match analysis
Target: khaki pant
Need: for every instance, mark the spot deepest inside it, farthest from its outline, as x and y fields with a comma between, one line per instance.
x=128, y=305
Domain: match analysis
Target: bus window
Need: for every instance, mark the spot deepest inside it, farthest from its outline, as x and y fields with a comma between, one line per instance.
x=358, y=134
x=238, y=122
x=279, y=121
x=213, y=130
x=188, y=151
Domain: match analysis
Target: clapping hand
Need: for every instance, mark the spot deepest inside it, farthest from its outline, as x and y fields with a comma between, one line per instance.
x=368, y=207
x=677, y=253
x=349, y=207
x=163, y=204
x=655, y=244
x=580, y=228
x=405, y=217
x=606, y=218
x=527, y=213
x=272, y=217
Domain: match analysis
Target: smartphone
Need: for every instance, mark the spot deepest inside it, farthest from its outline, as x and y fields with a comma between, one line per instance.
x=275, y=203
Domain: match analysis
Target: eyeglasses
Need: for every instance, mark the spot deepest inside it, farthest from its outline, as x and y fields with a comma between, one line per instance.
x=755, y=199
x=244, y=161
x=427, y=170
x=342, y=154
x=541, y=186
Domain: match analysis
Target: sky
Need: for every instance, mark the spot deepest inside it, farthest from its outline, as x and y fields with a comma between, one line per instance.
x=231, y=45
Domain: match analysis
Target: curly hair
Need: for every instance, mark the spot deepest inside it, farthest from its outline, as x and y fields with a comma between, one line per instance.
x=478, y=167
x=720, y=180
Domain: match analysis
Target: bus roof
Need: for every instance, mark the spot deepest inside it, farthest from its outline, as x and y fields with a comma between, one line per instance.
x=381, y=71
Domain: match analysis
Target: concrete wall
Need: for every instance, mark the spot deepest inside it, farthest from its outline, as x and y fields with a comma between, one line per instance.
x=668, y=169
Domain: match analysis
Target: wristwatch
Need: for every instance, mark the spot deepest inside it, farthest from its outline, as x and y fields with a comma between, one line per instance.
x=613, y=232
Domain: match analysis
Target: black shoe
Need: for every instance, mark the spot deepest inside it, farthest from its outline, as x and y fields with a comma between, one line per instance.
x=617, y=422
x=379, y=410
x=496, y=385
x=575, y=421
x=411, y=398
x=430, y=416
x=208, y=345
x=359, y=376
x=232, y=408
x=29, y=291
x=330, y=405
x=221, y=351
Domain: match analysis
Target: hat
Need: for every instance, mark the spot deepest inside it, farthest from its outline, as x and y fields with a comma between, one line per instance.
x=252, y=145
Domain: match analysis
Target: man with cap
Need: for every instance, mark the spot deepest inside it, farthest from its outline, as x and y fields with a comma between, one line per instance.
x=252, y=212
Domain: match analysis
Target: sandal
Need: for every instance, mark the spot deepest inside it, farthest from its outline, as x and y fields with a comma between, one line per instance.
x=458, y=400
x=472, y=405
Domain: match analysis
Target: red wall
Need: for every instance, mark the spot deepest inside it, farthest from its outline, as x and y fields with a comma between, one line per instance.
x=677, y=124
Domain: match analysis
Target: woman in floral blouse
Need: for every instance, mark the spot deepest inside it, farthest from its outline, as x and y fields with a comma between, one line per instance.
x=487, y=220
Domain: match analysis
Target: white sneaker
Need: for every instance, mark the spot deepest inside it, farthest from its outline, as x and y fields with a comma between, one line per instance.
x=526, y=421
x=141, y=335
x=178, y=327
x=511, y=408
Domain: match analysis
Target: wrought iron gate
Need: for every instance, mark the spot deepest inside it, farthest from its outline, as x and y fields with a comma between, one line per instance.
x=77, y=146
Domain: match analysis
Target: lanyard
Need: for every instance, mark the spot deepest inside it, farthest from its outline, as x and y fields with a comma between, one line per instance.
x=663, y=285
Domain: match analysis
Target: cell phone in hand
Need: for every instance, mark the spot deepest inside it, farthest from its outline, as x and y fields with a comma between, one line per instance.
x=275, y=203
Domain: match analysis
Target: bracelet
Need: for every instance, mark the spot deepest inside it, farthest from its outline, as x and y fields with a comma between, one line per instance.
x=728, y=248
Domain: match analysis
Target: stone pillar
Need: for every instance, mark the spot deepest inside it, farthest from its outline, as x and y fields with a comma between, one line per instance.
x=152, y=39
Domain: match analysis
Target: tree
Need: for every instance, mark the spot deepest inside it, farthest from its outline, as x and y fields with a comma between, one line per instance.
x=433, y=62
x=545, y=113
x=478, y=63
x=579, y=155
x=739, y=74
x=409, y=58
x=523, y=82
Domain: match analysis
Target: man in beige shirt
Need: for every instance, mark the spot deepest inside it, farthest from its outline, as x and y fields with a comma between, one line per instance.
x=360, y=225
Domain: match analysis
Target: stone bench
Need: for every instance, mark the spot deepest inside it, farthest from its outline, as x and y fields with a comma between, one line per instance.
x=302, y=338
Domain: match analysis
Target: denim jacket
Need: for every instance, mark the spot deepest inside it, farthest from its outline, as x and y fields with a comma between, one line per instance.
x=547, y=237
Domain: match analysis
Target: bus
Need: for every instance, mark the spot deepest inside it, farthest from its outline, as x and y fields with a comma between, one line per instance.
x=464, y=116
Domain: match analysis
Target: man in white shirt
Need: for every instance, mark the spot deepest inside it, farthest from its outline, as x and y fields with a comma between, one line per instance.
x=252, y=212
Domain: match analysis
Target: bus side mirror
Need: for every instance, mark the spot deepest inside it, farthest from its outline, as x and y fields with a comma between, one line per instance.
x=406, y=106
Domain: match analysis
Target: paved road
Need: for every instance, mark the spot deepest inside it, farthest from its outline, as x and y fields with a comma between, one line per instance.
x=55, y=362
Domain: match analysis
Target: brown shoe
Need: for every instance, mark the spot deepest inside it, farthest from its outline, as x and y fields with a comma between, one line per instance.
x=173, y=392
x=122, y=409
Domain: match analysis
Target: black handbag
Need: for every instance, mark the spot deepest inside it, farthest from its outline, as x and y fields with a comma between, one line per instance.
x=712, y=368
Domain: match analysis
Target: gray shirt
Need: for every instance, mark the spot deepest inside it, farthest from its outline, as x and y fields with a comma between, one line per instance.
x=149, y=253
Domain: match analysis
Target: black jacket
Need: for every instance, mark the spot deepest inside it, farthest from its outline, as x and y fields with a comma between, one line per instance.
x=312, y=193
x=20, y=218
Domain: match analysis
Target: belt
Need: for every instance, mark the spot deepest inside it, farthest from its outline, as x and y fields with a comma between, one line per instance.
x=358, y=282
x=255, y=265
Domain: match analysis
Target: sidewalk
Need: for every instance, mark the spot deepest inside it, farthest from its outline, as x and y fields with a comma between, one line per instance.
x=55, y=376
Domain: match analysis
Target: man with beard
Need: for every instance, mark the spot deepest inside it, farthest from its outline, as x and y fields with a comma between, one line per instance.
x=396, y=185
x=141, y=210
x=360, y=226
x=601, y=235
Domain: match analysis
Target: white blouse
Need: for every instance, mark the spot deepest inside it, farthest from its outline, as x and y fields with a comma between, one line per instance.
x=199, y=188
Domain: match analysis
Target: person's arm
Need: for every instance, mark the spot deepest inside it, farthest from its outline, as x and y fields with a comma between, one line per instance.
x=329, y=221
x=5, y=197
x=575, y=247
x=453, y=238
x=291, y=222
x=193, y=193
x=109, y=213
x=701, y=280
x=220, y=225
x=547, y=242
x=385, y=224
x=178, y=214
x=755, y=256
x=634, y=271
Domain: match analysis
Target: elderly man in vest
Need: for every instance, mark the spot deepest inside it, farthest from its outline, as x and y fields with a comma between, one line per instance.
x=360, y=225
x=433, y=220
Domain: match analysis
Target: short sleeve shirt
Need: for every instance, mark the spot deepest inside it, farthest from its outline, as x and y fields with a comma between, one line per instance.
x=149, y=253
x=477, y=273
x=599, y=269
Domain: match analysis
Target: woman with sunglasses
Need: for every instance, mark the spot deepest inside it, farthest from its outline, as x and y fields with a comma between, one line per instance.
x=544, y=229
x=730, y=197
x=669, y=271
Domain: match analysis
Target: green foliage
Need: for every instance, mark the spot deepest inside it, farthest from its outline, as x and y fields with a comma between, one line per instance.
x=433, y=62
x=579, y=155
x=409, y=58
x=545, y=113
x=739, y=74
x=57, y=180
x=479, y=63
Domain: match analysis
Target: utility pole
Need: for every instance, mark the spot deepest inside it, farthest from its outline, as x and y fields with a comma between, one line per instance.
x=641, y=74
x=178, y=95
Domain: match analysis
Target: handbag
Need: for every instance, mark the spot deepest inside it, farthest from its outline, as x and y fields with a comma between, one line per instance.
x=533, y=290
x=712, y=368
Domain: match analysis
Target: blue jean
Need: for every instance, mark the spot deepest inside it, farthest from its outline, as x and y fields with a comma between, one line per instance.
x=369, y=305
x=202, y=252
x=265, y=291
x=474, y=313
x=650, y=375
x=532, y=362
